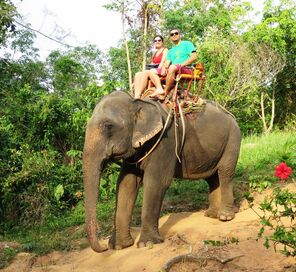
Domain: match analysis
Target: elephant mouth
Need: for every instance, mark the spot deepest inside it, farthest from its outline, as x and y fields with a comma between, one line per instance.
x=116, y=156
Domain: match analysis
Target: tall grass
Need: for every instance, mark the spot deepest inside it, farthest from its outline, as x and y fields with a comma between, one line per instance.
x=265, y=151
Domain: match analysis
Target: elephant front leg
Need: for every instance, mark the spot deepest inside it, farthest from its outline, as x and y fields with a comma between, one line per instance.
x=154, y=191
x=127, y=189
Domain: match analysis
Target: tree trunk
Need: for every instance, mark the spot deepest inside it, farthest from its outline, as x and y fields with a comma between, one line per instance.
x=272, y=112
x=263, y=112
x=145, y=35
x=267, y=128
x=126, y=47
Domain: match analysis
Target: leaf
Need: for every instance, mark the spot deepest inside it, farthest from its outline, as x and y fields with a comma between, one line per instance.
x=59, y=192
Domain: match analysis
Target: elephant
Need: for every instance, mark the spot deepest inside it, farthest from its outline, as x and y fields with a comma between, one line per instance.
x=124, y=128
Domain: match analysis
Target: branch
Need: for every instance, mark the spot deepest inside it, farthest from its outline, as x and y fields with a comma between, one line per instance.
x=46, y=36
x=194, y=258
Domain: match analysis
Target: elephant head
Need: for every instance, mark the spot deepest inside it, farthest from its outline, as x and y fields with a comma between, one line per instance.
x=119, y=126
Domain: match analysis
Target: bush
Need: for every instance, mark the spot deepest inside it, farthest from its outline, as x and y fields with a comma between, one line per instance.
x=30, y=192
x=278, y=214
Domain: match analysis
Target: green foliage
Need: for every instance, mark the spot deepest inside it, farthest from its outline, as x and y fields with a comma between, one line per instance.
x=259, y=182
x=178, y=194
x=279, y=216
x=108, y=181
x=47, y=155
x=6, y=255
x=74, y=69
x=32, y=185
x=259, y=155
x=278, y=29
x=7, y=14
x=42, y=130
x=45, y=107
x=116, y=74
x=194, y=18
x=263, y=152
x=231, y=240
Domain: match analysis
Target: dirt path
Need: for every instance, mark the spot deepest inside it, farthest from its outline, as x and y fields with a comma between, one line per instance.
x=184, y=233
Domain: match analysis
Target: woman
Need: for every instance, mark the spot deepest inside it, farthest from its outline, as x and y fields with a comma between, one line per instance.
x=158, y=58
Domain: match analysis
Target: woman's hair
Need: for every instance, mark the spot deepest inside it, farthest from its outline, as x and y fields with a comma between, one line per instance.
x=158, y=36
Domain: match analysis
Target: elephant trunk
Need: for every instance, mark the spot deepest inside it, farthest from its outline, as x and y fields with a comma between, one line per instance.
x=92, y=167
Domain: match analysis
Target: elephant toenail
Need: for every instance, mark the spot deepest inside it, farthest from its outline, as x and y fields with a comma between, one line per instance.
x=149, y=244
x=223, y=218
x=141, y=244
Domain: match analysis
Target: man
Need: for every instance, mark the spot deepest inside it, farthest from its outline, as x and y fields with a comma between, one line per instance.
x=182, y=54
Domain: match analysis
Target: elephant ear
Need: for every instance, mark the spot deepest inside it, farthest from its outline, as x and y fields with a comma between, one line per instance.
x=148, y=122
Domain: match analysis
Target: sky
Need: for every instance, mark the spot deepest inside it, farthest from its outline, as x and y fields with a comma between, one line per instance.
x=77, y=22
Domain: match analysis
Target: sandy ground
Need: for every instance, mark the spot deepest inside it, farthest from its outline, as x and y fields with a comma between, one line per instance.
x=184, y=234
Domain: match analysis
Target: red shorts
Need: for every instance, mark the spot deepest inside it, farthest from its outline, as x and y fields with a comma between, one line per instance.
x=184, y=70
x=159, y=71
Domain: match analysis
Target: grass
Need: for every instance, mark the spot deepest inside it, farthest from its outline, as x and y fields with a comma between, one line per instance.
x=6, y=255
x=265, y=151
x=186, y=195
x=260, y=154
x=63, y=233
x=258, y=158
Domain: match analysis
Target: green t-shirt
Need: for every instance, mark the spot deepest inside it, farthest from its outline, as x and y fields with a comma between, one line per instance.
x=181, y=52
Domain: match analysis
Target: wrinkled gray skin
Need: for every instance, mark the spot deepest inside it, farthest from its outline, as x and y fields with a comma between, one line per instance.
x=125, y=128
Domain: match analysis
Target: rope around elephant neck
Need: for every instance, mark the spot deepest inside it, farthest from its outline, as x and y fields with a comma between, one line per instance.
x=183, y=130
x=176, y=133
x=158, y=140
x=178, y=152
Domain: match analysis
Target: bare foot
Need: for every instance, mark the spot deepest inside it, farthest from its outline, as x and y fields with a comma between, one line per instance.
x=159, y=97
x=158, y=92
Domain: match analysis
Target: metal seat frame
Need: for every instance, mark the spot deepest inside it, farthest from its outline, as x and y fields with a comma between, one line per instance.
x=197, y=76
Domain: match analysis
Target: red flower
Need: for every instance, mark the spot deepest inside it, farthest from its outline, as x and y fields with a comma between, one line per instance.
x=282, y=171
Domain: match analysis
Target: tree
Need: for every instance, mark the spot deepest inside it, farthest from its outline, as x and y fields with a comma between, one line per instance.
x=278, y=30
x=7, y=14
x=150, y=16
x=195, y=17
x=139, y=25
x=122, y=7
x=74, y=69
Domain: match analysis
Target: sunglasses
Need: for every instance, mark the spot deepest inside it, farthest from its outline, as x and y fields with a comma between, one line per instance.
x=158, y=40
x=174, y=34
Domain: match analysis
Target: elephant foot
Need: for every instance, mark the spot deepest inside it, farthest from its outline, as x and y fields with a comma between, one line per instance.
x=211, y=212
x=148, y=239
x=120, y=243
x=224, y=215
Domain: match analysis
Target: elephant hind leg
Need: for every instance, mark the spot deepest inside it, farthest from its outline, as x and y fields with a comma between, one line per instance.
x=214, y=196
x=226, y=210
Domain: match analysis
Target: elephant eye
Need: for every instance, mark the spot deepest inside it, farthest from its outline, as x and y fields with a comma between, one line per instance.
x=107, y=128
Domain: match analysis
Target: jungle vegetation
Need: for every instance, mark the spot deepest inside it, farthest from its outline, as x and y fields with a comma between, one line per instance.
x=250, y=70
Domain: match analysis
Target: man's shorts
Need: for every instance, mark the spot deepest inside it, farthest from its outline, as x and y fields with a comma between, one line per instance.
x=184, y=70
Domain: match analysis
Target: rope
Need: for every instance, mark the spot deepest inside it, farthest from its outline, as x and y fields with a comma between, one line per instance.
x=183, y=125
x=176, y=133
